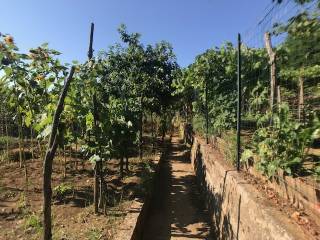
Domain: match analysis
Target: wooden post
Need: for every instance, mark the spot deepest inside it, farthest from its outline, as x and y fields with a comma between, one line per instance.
x=98, y=166
x=274, y=88
x=48, y=160
x=90, y=52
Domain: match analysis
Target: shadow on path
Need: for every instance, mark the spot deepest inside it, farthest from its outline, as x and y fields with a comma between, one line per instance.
x=176, y=210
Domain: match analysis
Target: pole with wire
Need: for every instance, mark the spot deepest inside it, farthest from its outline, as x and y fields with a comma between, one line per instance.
x=239, y=103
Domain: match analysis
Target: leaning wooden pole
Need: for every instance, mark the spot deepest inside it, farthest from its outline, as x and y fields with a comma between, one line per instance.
x=48, y=160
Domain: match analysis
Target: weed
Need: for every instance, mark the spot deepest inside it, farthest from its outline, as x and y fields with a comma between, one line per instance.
x=22, y=201
x=2, y=190
x=94, y=234
x=32, y=222
x=229, y=149
x=62, y=190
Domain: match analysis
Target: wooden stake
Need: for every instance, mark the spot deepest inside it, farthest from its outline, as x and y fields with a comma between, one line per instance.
x=48, y=160
x=274, y=89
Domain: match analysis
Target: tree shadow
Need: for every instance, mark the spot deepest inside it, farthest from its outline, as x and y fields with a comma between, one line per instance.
x=221, y=226
x=176, y=205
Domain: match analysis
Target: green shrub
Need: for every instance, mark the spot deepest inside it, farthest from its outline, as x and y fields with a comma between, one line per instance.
x=317, y=173
x=94, y=234
x=62, y=190
x=5, y=139
x=22, y=201
x=33, y=222
x=283, y=144
x=230, y=148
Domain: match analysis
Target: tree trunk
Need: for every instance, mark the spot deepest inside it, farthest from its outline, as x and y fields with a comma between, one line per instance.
x=127, y=163
x=278, y=95
x=31, y=136
x=76, y=156
x=101, y=190
x=65, y=161
x=164, y=127
x=48, y=160
x=152, y=132
x=70, y=155
x=96, y=188
x=7, y=139
x=25, y=171
x=20, y=142
x=98, y=165
x=301, y=99
x=39, y=149
x=121, y=166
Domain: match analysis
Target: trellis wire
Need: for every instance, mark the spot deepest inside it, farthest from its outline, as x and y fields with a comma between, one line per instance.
x=301, y=111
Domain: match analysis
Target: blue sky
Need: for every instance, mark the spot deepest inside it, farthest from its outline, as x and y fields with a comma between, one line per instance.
x=191, y=26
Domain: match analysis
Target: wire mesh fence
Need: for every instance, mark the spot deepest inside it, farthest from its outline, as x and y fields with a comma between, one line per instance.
x=281, y=99
x=280, y=82
x=276, y=127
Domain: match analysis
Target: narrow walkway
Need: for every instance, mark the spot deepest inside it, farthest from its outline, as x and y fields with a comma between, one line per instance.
x=176, y=211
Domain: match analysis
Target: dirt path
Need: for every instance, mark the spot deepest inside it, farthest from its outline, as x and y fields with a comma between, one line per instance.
x=176, y=211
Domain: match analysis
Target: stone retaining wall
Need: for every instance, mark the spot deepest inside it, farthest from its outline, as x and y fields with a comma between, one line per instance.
x=237, y=209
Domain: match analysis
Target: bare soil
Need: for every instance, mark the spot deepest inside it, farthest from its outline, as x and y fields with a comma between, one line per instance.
x=299, y=216
x=73, y=217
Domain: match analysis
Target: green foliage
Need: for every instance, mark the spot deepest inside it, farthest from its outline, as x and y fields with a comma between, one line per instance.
x=62, y=190
x=94, y=159
x=299, y=54
x=94, y=234
x=22, y=201
x=279, y=141
x=317, y=172
x=198, y=123
x=147, y=177
x=106, y=100
x=282, y=145
x=215, y=70
x=6, y=139
x=33, y=222
x=230, y=148
x=258, y=101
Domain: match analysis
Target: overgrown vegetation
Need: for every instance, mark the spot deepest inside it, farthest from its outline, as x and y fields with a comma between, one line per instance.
x=283, y=132
x=119, y=91
x=104, y=110
x=32, y=222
